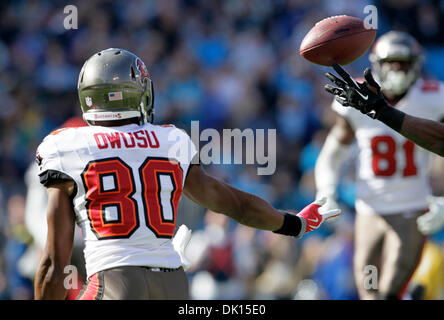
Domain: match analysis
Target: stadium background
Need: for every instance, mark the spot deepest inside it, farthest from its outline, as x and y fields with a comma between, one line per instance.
x=228, y=64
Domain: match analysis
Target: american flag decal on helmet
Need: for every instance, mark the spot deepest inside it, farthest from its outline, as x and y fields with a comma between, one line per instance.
x=114, y=96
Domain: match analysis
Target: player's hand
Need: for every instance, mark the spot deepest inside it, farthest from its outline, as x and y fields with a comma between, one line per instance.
x=180, y=242
x=330, y=204
x=313, y=218
x=366, y=97
x=433, y=220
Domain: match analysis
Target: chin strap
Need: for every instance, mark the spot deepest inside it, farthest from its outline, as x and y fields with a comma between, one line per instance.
x=151, y=116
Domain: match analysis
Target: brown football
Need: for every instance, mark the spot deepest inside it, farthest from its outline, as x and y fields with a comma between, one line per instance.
x=338, y=39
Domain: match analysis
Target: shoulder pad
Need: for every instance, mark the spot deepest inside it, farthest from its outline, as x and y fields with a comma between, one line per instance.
x=57, y=131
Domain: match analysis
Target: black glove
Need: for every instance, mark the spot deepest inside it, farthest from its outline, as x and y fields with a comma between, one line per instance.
x=350, y=93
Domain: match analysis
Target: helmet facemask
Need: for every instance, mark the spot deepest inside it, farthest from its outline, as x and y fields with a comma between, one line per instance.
x=147, y=103
x=395, y=81
x=401, y=48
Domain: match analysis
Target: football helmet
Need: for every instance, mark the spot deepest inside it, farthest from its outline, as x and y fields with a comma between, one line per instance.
x=114, y=84
x=400, y=47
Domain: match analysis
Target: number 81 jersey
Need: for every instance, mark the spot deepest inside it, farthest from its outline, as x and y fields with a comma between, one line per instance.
x=128, y=183
x=392, y=172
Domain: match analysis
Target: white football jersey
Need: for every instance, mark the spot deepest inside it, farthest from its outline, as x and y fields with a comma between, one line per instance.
x=392, y=172
x=129, y=180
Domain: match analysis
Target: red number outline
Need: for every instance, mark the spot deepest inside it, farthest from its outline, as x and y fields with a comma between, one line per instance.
x=154, y=217
x=94, y=193
x=149, y=174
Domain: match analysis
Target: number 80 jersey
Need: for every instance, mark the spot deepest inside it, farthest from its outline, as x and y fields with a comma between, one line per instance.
x=128, y=183
x=392, y=172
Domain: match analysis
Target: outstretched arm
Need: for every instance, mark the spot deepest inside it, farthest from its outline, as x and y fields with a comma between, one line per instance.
x=330, y=160
x=367, y=98
x=425, y=133
x=241, y=206
x=249, y=209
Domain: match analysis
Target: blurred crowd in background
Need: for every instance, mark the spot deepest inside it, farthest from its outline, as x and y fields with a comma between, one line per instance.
x=227, y=64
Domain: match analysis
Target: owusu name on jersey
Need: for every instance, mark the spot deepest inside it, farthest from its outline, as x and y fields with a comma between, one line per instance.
x=139, y=139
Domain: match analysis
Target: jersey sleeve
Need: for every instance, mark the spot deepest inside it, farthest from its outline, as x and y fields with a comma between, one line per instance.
x=49, y=162
x=354, y=117
x=340, y=109
x=182, y=149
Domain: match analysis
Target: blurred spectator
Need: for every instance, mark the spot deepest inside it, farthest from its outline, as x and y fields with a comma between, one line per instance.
x=334, y=272
x=18, y=286
x=278, y=277
x=429, y=276
x=212, y=252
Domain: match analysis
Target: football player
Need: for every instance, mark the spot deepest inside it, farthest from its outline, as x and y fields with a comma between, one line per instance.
x=121, y=179
x=392, y=179
x=368, y=98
